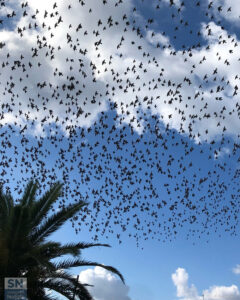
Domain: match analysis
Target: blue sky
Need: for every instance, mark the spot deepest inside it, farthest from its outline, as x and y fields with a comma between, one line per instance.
x=134, y=106
x=148, y=271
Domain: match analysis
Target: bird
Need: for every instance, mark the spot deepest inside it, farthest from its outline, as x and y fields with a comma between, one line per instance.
x=131, y=121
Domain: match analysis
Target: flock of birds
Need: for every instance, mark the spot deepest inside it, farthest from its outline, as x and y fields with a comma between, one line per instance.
x=85, y=99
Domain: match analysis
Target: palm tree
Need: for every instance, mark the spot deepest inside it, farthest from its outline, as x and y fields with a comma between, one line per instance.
x=25, y=250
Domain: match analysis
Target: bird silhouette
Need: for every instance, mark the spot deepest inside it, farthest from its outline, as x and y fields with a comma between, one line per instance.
x=141, y=127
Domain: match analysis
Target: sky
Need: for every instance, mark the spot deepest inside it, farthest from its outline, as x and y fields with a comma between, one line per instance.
x=134, y=105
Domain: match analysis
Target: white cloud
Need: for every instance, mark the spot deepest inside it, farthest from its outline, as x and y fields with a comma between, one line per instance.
x=186, y=292
x=227, y=9
x=221, y=153
x=105, y=285
x=222, y=293
x=157, y=82
x=180, y=279
x=236, y=269
x=155, y=38
x=177, y=3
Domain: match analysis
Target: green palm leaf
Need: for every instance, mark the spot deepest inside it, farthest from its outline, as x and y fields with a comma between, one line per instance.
x=29, y=193
x=26, y=252
x=54, y=222
x=42, y=206
x=72, y=263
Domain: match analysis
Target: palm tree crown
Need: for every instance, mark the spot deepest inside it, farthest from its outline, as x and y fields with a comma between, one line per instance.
x=25, y=250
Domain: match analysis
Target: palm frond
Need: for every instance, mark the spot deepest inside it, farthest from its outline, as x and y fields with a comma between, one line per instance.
x=6, y=205
x=24, y=251
x=42, y=206
x=19, y=225
x=75, y=248
x=60, y=286
x=29, y=193
x=82, y=292
x=70, y=288
x=54, y=222
x=72, y=263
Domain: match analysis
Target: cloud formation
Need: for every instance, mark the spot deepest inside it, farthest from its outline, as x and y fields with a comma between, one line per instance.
x=86, y=59
x=105, y=285
x=227, y=9
x=236, y=270
x=186, y=292
x=180, y=280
